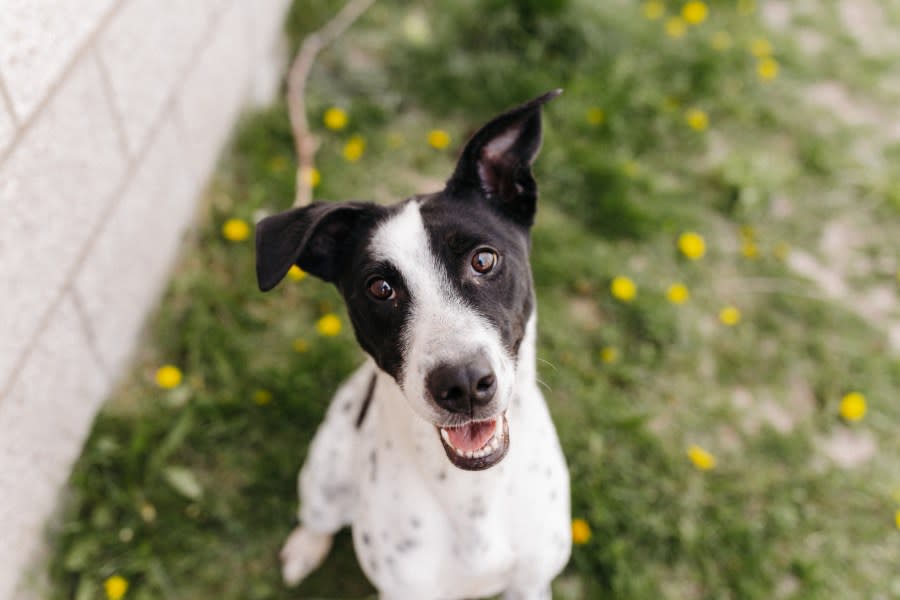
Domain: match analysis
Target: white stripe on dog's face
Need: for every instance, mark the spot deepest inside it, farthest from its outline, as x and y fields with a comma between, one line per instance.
x=440, y=328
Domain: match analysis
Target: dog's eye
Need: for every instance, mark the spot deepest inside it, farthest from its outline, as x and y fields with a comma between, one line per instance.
x=484, y=260
x=381, y=289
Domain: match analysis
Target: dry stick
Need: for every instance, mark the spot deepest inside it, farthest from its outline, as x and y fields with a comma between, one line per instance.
x=305, y=142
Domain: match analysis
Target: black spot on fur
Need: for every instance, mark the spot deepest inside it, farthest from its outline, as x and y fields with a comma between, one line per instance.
x=370, y=392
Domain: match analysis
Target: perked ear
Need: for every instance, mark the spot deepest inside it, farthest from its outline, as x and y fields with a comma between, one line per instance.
x=497, y=160
x=310, y=237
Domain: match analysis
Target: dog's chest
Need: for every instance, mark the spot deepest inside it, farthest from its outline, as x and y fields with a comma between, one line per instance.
x=420, y=515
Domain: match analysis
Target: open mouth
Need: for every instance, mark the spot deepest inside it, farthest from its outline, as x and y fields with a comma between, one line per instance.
x=477, y=445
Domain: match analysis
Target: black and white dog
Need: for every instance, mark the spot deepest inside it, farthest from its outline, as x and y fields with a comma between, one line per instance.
x=439, y=450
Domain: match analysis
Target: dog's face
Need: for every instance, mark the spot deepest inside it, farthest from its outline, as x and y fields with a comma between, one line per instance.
x=438, y=287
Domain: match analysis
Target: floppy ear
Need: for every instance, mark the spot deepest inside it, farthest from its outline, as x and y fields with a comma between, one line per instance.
x=497, y=160
x=311, y=237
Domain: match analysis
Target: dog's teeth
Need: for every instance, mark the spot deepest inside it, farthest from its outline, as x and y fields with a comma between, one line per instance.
x=470, y=454
x=445, y=435
x=458, y=451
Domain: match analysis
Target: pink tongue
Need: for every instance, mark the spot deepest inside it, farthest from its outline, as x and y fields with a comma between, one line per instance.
x=473, y=436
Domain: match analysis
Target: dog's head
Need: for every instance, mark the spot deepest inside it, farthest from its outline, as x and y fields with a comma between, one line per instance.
x=438, y=287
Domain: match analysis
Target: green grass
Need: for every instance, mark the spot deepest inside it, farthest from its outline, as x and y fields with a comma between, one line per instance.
x=188, y=493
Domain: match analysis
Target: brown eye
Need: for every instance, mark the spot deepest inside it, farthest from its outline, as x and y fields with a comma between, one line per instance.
x=484, y=260
x=381, y=289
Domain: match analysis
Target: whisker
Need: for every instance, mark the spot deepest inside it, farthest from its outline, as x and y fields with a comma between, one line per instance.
x=543, y=383
x=548, y=363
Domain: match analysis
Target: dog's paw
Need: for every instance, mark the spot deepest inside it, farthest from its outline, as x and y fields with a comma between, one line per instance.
x=303, y=551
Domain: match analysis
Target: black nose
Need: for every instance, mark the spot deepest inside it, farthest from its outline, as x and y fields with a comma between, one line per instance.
x=460, y=387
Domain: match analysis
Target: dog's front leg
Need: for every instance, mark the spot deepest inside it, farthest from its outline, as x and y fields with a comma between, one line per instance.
x=328, y=480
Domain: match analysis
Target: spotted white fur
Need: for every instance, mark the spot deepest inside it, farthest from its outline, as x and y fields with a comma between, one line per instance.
x=422, y=528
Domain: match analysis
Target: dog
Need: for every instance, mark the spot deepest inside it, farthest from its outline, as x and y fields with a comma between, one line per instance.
x=439, y=451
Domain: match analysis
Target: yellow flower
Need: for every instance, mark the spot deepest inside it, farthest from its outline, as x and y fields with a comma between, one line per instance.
x=262, y=397
x=720, y=41
x=781, y=250
x=168, y=377
x=697, y=119
x=730, y=315
x=671, y=104
x=897, y=519
x=678, y=293
x=311, y=176
x=438, y=139
x=595, y=115
x=853, y=406
x=654, y=9
x=581, y=532
x=335, y=118
x=749, y=249
x=623, y=288
x=115, y=587
x=354, y=148
x=675, y=27
x=395, y=139
x=694, y=12
x=609, y=355
x=631, y=168
x=703, y=460
x=329, y=325
x=746, y=7
x=235, y=230
x=300, y=345
x=278, y=164
x=760, y=47
x=767, y=69
x=296, y=273
x=692, y=245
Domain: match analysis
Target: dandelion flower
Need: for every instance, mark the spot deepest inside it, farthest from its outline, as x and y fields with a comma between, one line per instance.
x=335, y=118
x=697, y=119
x=631, y=169
x=438, y=139
x=115, y=587
x=781, y=250
x=767, y=69
x=853, y=406
x=702, y=460
x=694, y=12
x=296, y=273
x=720, y=41
x=897, y=519
x=278, y=164
x=749, y=249
x=609, y=355
x=354, y=148
x=678, y=293
x=311, y=176
x=235, y=230
x=692, y=245
x=654, y=9
x=262, y=397
x=595, y=115
x=730, y=315
x=623, y=288
x=168, y=377
x=675, y=27
x=300, y=345
x=760, y=47
x=329, y=325
x=581, y=532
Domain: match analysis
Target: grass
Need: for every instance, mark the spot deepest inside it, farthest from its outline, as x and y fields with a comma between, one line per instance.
x=189, y=492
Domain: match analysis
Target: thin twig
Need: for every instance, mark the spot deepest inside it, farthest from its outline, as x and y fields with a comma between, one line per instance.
x=305, y=142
